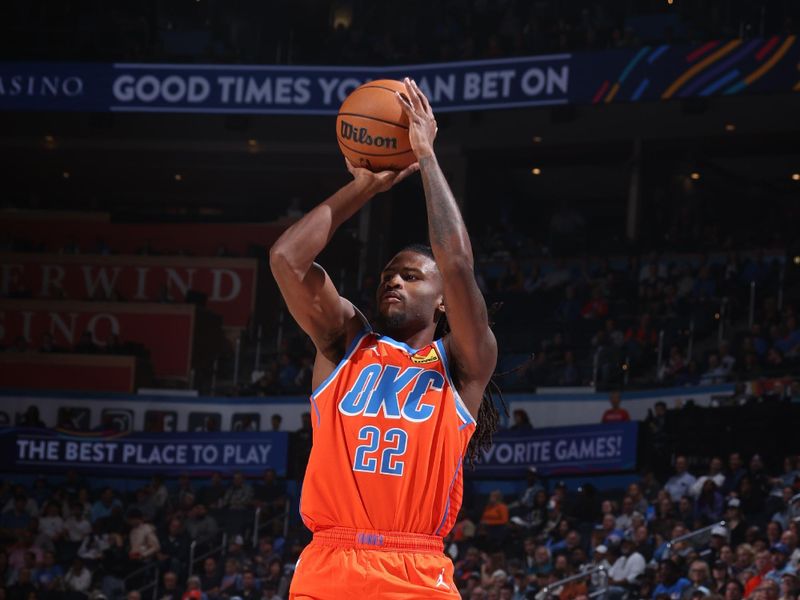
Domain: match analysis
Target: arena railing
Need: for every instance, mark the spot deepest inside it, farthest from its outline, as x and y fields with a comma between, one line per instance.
x=554, y=589
x=220, y=549
x=149, y=572
x=692, y=536
x=257, y=527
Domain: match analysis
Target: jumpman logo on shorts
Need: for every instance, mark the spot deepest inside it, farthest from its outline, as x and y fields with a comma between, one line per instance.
x=440, y=581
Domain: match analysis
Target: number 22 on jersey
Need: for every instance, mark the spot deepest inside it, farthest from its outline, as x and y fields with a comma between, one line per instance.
x=366, y=457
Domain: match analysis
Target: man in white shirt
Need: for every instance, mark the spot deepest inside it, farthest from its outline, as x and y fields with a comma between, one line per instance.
x=680, y=484
x=625, y=571
x=77, y=525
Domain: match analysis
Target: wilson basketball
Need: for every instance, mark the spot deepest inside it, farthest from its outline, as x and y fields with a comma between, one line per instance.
x=372, y=128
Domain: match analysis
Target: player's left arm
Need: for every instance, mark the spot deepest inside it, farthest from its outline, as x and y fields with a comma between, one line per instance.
x=471, y=343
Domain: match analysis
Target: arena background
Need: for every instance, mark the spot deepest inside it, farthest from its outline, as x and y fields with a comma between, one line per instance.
x=629, y=174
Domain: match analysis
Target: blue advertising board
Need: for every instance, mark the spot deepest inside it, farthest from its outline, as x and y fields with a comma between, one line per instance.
x=649, y=73
x=575, y=450
x=44, y=450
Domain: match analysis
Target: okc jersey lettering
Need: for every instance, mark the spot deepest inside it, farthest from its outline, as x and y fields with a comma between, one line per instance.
x=390, y=436
x=376, y=390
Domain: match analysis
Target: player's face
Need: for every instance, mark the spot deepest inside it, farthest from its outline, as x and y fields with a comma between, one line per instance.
x=409, y=293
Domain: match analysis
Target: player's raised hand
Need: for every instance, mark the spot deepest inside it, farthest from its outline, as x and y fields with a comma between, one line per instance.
x=382, y=180
x=421, y=122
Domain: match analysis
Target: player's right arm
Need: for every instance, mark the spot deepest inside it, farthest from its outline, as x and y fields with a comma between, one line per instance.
x=329, y=320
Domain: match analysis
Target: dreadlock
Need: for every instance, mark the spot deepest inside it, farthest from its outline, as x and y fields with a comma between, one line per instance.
x=488, y=413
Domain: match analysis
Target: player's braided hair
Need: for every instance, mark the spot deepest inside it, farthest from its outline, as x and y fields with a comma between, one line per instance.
x=488, y=413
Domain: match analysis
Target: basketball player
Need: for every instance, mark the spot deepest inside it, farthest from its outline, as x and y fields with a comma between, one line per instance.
x=394, y=406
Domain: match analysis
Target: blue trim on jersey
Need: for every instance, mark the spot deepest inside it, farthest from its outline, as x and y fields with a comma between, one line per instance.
x=449, y=493
x=316, y=410
x=397, y=344
x=461, y=408
x=347, y=356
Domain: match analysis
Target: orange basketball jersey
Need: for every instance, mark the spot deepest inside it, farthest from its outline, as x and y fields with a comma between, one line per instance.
x=390, y=436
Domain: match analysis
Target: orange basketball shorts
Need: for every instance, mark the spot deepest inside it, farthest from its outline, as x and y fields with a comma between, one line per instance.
x=350, y=564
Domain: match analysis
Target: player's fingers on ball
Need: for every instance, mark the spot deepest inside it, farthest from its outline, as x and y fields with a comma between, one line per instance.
x=412, y=94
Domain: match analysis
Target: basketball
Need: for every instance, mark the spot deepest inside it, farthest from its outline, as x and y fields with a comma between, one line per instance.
x=372, y=128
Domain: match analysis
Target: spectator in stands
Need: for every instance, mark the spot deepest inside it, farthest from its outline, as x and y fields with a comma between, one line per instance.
x=231, y=583
x=237, y=500
x=275, y=422
x=48, y=576
x=173, y=546
x=715, y=373
x=680, y=484
x=142, y=539
x=22, y=549
x=789, y=586
x=624, y=522
x=276, y=579
x=77, y=579
x=51, y=524
x=714, y=473
x=76, y=526
x=780, y=563
x=194, y=590
x=734, y=590
x=169, y=588
x=615, y=414
x=626, y=570
x=762, y=566
x=494, y=520
x=270, y=497
x=212, y=495
x=94, y=545
x=31, y=419
x=700, y=579
x=15, y=519
x=211, y=578
x=200, y=525
x=103, y=507
x=522, y=422
x=709, y=505
x=669, y=581
x=23, y=588
x=719, y=576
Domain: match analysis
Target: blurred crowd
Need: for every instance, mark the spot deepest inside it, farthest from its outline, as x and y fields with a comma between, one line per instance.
x=711, y=528
x=655, y=539
x=73, y=539
x=361, y=32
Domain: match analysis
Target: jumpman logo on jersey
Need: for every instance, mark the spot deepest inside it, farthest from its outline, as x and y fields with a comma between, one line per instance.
x=440, y=581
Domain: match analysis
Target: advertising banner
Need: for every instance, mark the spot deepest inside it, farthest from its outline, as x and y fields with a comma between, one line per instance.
x=575, y=450
x=40, y=450
x=658, y=72
x=165, y=330
x=228, y=284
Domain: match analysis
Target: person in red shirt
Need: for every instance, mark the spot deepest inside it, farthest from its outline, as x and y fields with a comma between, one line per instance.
x=615, y=414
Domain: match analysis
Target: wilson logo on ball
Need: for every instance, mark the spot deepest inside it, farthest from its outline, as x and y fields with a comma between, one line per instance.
x=362, y=136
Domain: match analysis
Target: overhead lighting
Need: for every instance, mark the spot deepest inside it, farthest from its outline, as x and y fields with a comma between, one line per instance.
x=694, y=175
x=730, y=127
x=537, y=139
x=795, y=176
x=536, y=171
x=178, y=177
